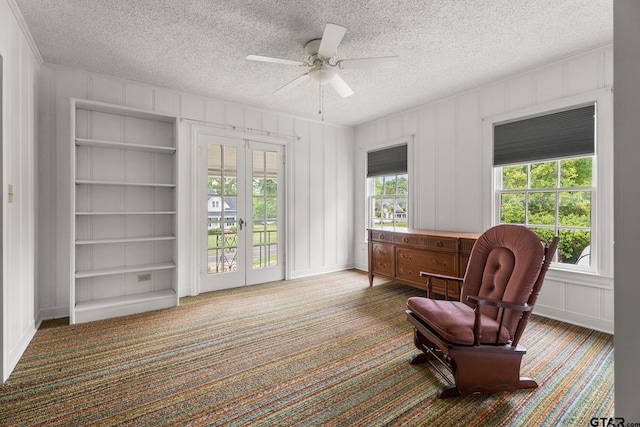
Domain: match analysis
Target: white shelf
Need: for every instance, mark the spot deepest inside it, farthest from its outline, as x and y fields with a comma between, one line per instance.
x=87, y=311
x=98, y=143
x=124, y=269
x=136, y=193
x=124, y=300
x=124, y=240
x=123, y=184
x=121, y=110
x=89, y=213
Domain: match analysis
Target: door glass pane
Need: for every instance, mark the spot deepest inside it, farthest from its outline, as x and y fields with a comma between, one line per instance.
x=271, y=176
x=222, y=246
x=265, y=208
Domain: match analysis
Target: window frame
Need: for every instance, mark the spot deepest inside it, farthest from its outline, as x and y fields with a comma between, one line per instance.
x=411, y=194
x=602, y=185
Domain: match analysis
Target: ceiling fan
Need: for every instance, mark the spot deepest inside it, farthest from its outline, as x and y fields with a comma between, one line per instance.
x=320, y=59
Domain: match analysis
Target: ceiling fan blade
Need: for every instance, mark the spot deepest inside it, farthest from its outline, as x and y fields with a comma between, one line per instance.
x=382, y=62
x=331, y=39
x=340, y=86
x=293, y=83
x=273, y=60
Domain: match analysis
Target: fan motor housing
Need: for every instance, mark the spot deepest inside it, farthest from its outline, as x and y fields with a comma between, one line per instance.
x=311, y=48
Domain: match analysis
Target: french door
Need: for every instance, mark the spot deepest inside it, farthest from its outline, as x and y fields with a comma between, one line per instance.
x=241, y=210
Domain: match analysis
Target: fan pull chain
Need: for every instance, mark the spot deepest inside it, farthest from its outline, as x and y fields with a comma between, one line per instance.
x=321, y=103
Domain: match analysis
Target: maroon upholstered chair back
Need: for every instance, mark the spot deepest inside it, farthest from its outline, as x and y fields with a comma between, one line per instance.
x=505, y=263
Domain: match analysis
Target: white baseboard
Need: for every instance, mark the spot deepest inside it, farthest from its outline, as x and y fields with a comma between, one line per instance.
x=16, y=353
x=363, y=267
x=577, y=319
x=323, y=270
x=51, y=313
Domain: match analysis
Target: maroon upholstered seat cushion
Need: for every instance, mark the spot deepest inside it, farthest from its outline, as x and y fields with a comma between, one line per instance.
x=453, y=321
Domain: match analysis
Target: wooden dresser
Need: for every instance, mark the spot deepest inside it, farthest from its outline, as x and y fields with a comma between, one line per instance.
x=402, y=253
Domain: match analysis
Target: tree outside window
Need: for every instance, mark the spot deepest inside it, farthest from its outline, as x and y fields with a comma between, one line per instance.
x=551, y=198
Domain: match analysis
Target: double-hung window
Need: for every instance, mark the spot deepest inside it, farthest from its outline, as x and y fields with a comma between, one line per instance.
x=544, y=172
x=388, y=187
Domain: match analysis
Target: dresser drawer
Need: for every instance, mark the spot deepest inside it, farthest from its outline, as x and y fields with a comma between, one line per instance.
x=382, y=259
x=381, y=236
x=466, y=245
x=439, y=243
x=406, y=266
x=408, y=239
x=410, y=262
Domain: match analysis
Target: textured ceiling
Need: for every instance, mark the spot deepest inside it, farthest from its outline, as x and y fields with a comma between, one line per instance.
x=199, y=46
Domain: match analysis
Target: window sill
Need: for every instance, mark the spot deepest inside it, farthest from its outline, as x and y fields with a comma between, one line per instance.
x=582, y=278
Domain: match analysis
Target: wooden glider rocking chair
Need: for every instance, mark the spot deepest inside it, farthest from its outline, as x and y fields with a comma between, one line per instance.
x=476, y=338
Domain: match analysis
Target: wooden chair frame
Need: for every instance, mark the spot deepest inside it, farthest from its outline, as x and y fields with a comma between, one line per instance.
x=480, y=368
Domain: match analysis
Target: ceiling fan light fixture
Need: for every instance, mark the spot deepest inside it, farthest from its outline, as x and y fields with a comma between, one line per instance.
x=320, y=59
x=321, y=74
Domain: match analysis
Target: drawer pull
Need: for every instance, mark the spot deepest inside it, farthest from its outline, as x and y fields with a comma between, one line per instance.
x=409, y=257
x=406, y=240
x=381, y=252
x=439, y=243
x=382, y=265
x=436, y=262
x=404, y=270
x=381, y=237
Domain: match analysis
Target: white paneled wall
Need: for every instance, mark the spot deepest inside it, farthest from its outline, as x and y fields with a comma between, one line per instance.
x=19, y=82
x=453, y=181
x=320, y=177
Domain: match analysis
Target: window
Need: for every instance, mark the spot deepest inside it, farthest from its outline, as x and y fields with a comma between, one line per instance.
x=544, y=175
x=388, y=187
x=388, y=201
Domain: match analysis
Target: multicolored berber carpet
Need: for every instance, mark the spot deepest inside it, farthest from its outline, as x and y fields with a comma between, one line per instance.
x=320, y=351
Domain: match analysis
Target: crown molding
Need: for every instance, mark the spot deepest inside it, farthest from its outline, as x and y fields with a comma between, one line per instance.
x=25, y=30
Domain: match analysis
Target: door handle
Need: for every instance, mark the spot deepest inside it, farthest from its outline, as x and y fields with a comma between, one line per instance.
x=241, y=223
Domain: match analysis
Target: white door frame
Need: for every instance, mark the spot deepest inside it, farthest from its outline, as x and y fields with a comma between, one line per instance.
x=199, y=127
x=226, y=279
x=2, y=227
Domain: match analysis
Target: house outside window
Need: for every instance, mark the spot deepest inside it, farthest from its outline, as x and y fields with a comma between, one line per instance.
x=388, y=187
x=544, y=169
x=388, y=202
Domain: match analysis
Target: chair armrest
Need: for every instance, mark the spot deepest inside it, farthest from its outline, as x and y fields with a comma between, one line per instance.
x=499, y=303
x=440, y=276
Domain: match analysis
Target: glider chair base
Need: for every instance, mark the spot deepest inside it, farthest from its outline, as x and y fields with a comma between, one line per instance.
x=475, y=369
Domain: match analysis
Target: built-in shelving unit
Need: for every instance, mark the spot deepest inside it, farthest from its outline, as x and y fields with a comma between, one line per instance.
x=124, y=205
